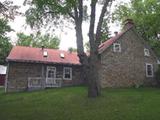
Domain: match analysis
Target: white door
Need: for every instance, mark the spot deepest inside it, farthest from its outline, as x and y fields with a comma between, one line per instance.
x=51, y=76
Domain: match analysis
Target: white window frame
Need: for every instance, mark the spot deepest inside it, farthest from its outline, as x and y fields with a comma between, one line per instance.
x=114, y=47
x=147, y=70
x=48, y=68
x=64, y=73
x=45, y=53
x=146, y=52
x=47, y=78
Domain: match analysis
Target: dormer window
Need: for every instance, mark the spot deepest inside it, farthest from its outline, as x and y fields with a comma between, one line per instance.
x=146, y=52
x=62, y=55
x=45, y=53
x=117, y=47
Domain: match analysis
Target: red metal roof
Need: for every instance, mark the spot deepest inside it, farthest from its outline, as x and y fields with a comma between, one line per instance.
x=109, y=42
x=30, y=54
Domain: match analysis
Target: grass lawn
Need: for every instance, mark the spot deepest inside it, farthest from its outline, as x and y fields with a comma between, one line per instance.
x=72, y=104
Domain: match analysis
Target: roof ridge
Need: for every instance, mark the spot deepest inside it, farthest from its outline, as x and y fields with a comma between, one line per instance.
x=45, y=48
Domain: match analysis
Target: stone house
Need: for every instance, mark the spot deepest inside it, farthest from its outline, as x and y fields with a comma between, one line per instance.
x=37, y=68
x=126, y=60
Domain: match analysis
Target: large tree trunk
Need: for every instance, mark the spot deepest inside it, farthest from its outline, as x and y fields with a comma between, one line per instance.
x=78, y=10
x=81, y=54
x=94, y=83
x=89, y=67
x=93, y=88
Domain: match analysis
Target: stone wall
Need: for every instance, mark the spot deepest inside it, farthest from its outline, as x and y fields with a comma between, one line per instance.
x=18, y=74
x=126, y=68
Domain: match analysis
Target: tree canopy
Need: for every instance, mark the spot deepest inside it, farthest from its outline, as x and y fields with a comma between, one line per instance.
x=38, y=40
x=146, y=16
x=145, y=13
x=5, y=45
x=8, y=11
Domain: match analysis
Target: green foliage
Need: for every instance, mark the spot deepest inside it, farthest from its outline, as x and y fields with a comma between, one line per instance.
x=4, y=27
x=145, y=14
x=47, y=41
x=155, y=45
x=38, y=41
x=105, y=31
x=71, y=49
x=44, y=12
x=5, y=45
x=24, y=40
x=8, y=10
x=72, y=104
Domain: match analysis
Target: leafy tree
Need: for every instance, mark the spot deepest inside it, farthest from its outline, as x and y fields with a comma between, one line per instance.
x=47, y=41
x=45, y=11
x=8, y=10
x=105, y=33
x=71, y=49
x=5, y=45
x=146, y=15
x=38, y=40
x=24, y=40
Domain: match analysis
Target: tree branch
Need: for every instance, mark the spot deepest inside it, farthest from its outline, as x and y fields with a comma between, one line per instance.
x=71, y=15
x=80, y=8
x=76, y=13
x=92, y=25
x=98, y=31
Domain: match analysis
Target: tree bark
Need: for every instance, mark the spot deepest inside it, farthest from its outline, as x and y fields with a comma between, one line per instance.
x=89, y=66
x=94, y=83
x=93, y=87
x=78, y=18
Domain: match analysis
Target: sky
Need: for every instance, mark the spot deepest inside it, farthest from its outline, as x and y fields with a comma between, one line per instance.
x=67, y=37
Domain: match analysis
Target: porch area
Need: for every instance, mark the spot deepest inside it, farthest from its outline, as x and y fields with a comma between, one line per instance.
x=41, y=83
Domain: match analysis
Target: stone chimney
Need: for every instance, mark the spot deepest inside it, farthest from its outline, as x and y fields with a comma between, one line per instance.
x=42, y=47
x=115, y=33
x=127, y=24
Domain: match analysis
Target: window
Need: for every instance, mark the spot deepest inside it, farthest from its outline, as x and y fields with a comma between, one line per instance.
x=51, y=72
x=67, y=73
x=62, y=55
x=146, y=52
x=45, y=53
x=117, y=47
x=149, y=70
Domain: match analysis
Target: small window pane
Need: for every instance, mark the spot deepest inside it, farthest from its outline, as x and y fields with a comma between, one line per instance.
x=149, y=70
x=67, y=73
x=116, y=47
x=146, y=52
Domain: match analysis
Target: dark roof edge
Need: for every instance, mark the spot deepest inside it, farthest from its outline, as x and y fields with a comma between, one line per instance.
x=42, y=62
